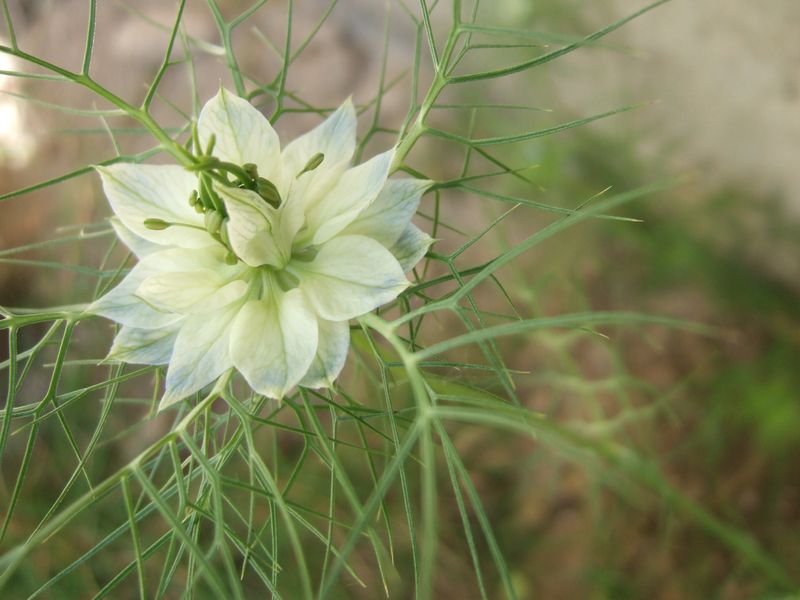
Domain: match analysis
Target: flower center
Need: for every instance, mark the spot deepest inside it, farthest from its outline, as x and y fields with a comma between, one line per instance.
x=205, y=200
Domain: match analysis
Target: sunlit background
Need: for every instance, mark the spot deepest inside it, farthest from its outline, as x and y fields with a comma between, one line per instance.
x=719, y=89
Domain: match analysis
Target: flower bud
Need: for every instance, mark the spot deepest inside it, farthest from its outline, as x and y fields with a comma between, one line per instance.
x=156, y=224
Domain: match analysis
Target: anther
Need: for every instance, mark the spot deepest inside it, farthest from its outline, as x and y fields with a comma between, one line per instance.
x=312, y=164
x=213, y=221
x=156, y=224
x=252, y=170
x=267, y=190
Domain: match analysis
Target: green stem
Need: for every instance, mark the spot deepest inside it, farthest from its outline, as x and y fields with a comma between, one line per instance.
x=440, y=81
x=142, y=116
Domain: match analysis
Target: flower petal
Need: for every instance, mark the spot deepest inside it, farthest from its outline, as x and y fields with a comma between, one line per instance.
x=138, y=245
x=200, y=355
x=411, y=247
x=350, y=275
x=143, y=346
x=139, y=192
x=190, y=291
x=243, y=134
x=335, y=138
x=181, y=259
x=123, y=305
x=354, y=192
x=252, y=228
x=334, y=341
x=388, y=216
x=273, y=342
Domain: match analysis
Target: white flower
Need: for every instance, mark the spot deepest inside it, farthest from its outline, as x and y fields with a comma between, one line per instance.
x=296, y=244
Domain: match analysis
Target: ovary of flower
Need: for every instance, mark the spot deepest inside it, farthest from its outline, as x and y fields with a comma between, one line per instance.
x=270, y=291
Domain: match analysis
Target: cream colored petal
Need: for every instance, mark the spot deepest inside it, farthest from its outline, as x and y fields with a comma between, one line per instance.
x=177, y=292
x=143, y=346
x=138, y=245
x=174, y=260
x=122, y=304
x=243, y=134
x=190, y=291
x=350, y=275
x=252, y=228
x=139, y=192
x=334, y=341
x=335, y=137
x=411, y=247
x=389, y=215
x=355, y=191
x=200, y=355
x=273, y=342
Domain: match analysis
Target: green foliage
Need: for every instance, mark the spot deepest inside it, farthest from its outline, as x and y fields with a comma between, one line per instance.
x=232, y=496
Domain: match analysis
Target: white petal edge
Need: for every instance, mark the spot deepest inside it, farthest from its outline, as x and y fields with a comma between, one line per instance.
x=139, y=192
x=138, y=245
x=335, y=137
x=143, y=346
x=200, y=355
x=353, y=193
x=350, y=275
x=273, y=342
x=243, y=134
x=412, y=245
x=332, y=347
x=122, y=305
x=387, y=218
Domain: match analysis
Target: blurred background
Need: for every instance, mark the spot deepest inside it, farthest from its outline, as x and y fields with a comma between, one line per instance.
x=719, y=415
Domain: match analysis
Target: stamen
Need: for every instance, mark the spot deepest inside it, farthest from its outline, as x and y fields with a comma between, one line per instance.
x=252, y=170
x=159, y=224
x=210, y=198
x=212, y=141
x=306, y=254
x=223, y=233
x=156, y=224
x=312, y=164
x=213, y=221
x=267, y=190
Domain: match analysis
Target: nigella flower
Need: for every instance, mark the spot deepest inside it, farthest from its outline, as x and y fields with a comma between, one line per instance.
x=257, y=257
